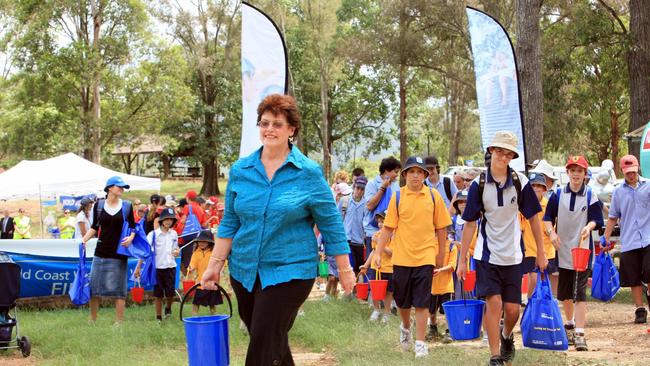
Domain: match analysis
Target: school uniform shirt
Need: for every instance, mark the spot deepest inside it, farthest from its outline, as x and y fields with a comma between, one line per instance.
x=499, y=240
x=200, y=261
x=386, y=260
x=632, y=207
x=353, y=218
x=414, y=238
x=570, y=214
x=443, y=282
x=529, y=239
x=271, y=221
x=440, y=187
x=80, y=218
x=166, y=242
x=371, y=190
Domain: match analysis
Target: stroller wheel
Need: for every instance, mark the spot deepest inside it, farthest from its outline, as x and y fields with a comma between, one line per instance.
x=25, y=346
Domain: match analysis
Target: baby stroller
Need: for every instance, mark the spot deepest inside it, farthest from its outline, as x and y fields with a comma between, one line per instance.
x=9, y=290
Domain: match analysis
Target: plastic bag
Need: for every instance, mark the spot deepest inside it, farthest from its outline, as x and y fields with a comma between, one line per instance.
x=80, y=287
x=382, y=206
x=139, y=247
x=192, y=226
x=605, y=281
x=541, y=323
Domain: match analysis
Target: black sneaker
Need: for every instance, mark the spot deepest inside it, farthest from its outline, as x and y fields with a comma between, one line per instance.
x=432, y=334
x=570, y=333
x=496, y=361
x=507, y=347
x=641, y=316
x=581, y=342
x=168, y=312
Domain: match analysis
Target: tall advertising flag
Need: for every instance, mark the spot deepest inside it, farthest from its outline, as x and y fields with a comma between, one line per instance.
x=263, y=68
x=497, y=87
x=644, y=154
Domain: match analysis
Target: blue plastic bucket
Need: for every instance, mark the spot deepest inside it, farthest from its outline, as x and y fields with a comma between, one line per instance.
x=464, y=318
x=207, y=336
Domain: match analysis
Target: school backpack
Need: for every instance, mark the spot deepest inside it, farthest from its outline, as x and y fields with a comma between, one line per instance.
x=515, y=181
x=446, y=182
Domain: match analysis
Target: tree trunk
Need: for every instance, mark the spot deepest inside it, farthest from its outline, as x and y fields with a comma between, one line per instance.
x=403, y=133
x=615, y=135
x=638, y=63
x=97, y=8
x=166, y=161
x=210, y=185
x=530, y=76
x=325, y=127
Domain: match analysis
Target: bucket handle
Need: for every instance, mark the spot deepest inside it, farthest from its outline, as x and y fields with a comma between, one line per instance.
x=377, y=274
x=193, y=288
x=364, y=275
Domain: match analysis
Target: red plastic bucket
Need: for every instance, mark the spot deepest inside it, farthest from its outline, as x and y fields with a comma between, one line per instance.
x=580, y=258
x=187, y=285
x=137, y=294
x=362, y=291
x=470, y=281
x=378, y=289
x=524, y=284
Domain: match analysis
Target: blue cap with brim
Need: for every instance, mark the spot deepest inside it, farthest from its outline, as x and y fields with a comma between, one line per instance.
x=537, y=178
x=415, y=162
x=115, y=181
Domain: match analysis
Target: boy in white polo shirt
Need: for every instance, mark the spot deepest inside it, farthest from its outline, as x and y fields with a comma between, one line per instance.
x=575, y=212
x=498, y=196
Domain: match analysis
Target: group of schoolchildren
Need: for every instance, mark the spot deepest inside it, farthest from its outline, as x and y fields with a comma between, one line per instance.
x=164, y=224
x=504, y=225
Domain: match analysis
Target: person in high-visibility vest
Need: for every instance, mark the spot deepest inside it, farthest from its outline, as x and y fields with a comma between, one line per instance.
x=66, y=225
x=22, y=226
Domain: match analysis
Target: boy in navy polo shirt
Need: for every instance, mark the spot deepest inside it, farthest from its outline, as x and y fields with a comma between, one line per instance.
x=498, y=196
x=575, y=212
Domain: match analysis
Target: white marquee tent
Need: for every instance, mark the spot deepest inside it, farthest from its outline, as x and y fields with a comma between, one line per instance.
x=67, y=174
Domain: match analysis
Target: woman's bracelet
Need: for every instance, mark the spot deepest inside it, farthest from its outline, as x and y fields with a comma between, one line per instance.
x=215, y=259
x=346, y=270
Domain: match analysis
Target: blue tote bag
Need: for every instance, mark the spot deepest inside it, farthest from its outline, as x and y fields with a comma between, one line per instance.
x=541, y=324
x=148, y=273
x=605, y=281
x=139, y=247
x=80, y=287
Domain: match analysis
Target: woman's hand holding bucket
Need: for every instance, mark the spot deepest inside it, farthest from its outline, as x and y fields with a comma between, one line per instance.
x=211, y=277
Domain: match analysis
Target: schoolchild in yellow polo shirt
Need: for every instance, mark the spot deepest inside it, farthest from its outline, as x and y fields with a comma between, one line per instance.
x=417, y=219
x=442, y=289
x=386, y=272
x=528, y=266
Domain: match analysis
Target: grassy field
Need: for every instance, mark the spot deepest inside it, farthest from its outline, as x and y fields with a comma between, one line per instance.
x=338, y=329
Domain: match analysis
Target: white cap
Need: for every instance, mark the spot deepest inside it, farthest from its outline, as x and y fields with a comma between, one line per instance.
x=543, y=167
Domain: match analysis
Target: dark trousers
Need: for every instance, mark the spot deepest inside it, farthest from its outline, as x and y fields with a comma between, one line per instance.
x=357, y=256
x=269, y=315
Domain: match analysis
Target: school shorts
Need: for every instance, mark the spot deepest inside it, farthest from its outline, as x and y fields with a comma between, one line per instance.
x=635, y=267
x=437, y=301
x=567, y=281
x=492, y=279
x=384, y=276
x=529, y=264
x=165, y=282
x=412, y=286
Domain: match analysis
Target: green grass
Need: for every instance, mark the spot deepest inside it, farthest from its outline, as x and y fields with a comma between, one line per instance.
x=338, y=328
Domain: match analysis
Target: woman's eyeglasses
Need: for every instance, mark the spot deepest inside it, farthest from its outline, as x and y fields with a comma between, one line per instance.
x=266, y=124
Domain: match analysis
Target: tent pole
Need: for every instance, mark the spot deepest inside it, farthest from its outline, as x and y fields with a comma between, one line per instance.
x=40, y=205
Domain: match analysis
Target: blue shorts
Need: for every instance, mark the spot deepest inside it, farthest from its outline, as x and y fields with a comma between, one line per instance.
x=384, y=276
x=492, y=279
x=108, y=277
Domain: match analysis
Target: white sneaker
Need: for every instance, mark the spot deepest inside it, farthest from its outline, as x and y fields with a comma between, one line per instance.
x=404, y=338
x=384, y=319
x=421, y=349
x=327, y=297
x=374, y=316
x=484, y=341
